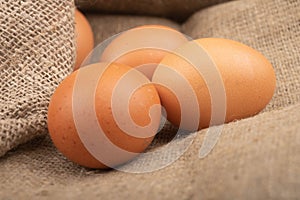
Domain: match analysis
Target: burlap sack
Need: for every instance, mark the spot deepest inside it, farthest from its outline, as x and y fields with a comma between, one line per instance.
x=36, y=52
x=175, y=9
x=255, y=158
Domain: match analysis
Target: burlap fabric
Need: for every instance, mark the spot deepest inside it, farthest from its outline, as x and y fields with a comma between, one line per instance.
x=255, y=158
x=36, y=52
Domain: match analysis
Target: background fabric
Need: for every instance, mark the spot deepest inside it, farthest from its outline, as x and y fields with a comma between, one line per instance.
x=255, y=158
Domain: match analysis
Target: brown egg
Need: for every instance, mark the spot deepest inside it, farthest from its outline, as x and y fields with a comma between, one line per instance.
x=221, y=79
x=84, y=38
x=143, y=47
x=101, y=121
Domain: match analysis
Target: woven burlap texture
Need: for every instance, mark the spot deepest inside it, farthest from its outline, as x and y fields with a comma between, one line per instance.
x=255, y=158
x=36, y=52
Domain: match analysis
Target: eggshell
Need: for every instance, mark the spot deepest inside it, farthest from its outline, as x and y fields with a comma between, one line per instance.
x=70, y=118
x=143, y=47
x=208, y=65
x=84, y=38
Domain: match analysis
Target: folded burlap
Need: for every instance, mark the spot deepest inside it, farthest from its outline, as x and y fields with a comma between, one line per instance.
x=36, y=53
x=255, y=158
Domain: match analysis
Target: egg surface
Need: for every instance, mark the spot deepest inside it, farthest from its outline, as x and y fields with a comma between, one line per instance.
x=103, y=115
x=84, y=38
x=143, y=47
x=227, y=81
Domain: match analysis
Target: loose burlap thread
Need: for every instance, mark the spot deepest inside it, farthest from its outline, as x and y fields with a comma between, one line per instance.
x=255, y=158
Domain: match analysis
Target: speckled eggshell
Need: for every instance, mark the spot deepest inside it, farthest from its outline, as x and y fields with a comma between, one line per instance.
x=247, y=76
x=64, y=132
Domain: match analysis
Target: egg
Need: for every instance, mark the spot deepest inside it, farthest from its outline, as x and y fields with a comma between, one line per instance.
x=84, y=38
x=143, y=47
x=210, y=81
x=103, y=115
